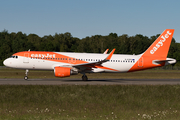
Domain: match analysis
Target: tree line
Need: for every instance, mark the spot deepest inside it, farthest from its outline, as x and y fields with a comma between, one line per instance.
x=11, y=43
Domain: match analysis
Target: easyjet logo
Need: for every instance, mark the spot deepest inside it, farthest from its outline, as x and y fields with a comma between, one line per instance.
x=44, y=55
x=160, y=43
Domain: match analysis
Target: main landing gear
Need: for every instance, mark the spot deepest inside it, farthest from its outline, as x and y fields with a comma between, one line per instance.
x=84, y=77
x=26, y=77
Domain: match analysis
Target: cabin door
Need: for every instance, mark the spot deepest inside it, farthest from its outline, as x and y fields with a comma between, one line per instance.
x=140, y=62
x=26, y=58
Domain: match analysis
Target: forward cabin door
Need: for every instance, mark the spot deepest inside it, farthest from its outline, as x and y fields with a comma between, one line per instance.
x=26, y=58
x=140, y=62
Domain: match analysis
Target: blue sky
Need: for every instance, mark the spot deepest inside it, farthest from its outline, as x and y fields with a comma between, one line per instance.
x=84, y=18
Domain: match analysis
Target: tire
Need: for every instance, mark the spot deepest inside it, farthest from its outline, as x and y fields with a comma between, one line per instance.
x=26, y=78
x=84, y=78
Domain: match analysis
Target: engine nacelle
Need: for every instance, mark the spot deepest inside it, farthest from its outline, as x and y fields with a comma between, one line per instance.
x=64, y=71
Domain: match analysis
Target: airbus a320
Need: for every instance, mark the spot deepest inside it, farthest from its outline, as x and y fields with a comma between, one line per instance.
x=65, y=64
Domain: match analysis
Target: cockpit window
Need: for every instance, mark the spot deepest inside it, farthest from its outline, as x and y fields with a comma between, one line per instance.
x=14, y=57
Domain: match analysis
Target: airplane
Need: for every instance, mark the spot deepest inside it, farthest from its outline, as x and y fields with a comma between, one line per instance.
x=66, y=64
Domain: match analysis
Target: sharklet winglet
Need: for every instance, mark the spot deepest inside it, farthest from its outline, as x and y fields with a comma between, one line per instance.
x=110, y=55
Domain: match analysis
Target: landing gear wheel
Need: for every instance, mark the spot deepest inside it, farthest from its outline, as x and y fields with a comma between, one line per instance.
x=26, y=78
x=84, y=78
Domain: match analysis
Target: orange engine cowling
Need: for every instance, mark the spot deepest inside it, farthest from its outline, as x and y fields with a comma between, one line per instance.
x=63, y=71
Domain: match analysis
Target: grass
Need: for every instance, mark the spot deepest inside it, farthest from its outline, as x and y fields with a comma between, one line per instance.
x=150, y=74
x=87, y=102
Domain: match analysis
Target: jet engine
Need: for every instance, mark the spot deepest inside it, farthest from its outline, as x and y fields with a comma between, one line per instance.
x=64, y=71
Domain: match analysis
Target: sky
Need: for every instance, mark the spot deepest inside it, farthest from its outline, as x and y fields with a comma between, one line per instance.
x=84, y=18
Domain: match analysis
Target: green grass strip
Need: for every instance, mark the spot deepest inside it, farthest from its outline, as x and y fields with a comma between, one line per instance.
x=86, y=102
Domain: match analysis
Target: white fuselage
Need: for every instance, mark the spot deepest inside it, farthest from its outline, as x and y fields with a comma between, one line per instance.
x=119, y=63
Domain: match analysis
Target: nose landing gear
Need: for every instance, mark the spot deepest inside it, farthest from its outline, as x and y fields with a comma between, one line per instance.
x=26, y=77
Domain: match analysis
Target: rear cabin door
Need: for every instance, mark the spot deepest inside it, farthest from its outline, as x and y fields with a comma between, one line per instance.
x=140, y=62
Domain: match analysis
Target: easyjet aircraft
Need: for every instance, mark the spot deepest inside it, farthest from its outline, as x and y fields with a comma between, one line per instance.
x=65, y=64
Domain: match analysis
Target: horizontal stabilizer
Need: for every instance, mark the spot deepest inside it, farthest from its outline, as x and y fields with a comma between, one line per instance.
x=167, y=61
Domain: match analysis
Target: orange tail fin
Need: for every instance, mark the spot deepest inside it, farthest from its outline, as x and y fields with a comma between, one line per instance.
x=156, y=54
x=161, y=45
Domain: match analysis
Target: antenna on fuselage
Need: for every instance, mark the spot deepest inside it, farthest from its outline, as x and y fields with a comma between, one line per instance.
x=29, y=50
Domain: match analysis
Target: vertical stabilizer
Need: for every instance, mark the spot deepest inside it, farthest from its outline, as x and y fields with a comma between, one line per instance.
x=156, y=54
x=160, y=46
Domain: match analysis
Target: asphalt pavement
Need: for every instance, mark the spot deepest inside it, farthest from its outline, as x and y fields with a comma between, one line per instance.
x=89, y=82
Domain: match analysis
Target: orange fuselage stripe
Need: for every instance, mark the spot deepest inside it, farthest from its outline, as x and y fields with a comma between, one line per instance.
x=52, y=56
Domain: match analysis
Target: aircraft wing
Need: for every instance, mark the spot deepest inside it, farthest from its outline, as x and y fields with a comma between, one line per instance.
x=93, y=64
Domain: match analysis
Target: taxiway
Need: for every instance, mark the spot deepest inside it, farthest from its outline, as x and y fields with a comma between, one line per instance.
x=90, y=82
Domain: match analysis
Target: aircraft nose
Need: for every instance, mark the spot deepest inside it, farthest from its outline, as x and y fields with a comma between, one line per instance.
x=6, y=62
